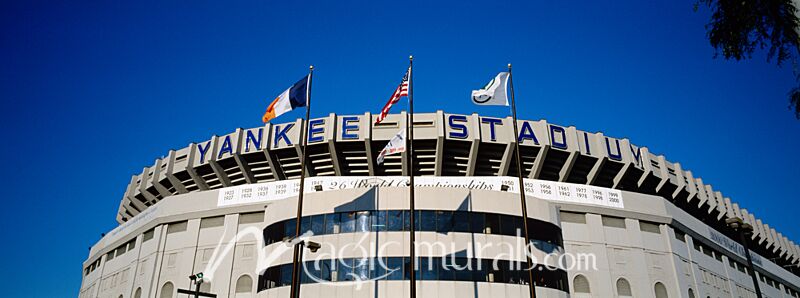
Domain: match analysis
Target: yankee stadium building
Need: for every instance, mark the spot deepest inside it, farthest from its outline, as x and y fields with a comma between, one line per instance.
x=605, y=217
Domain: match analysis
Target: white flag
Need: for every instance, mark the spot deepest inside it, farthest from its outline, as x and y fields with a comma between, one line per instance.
x=396, y=145
x=494, y=93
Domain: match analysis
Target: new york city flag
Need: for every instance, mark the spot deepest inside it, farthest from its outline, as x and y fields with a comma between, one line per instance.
x=294, y=97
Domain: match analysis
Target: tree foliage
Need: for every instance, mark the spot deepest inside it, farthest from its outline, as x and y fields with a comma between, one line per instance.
x=739, y=27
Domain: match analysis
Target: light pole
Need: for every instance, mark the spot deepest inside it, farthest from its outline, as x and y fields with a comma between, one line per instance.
x=312, y=247
x=196, y=279
x=744, y=229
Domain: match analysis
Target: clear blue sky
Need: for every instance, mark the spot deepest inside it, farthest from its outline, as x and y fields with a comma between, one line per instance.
x=93, y=92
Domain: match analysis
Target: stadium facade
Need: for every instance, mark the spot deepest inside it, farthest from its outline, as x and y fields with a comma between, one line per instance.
x=224, y=205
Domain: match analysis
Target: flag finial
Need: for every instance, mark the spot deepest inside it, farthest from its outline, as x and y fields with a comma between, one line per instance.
x=411, y=57
x=311, y=67
x=509, y=65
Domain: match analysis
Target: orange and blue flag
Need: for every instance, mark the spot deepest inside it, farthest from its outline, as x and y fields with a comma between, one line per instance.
x=293, y=97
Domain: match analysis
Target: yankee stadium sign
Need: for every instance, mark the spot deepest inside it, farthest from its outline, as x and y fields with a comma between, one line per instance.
x=450, y=126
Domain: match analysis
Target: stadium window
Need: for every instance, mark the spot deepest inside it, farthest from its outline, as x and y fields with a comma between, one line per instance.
x=394, y=268
x=444, y=221
x=211, y=222
x=138, y=293
x=481, y=268
x=427, y=268
x=148, y=235
x=407, y=267
x=614, y=222
x=742, y=268
x=244, y=284
x=327, y=270
x=649, y=227
x=348, y=222
x=493, y=271
x=378, y=219
x=110, y=255
x=285, y=277
x=176, y=227
x=362, y=221
x=492, y=223
x=332, y=224
x=344, y=270
x=121, y=250
x=463, y=269
x=289, y=229
x=251, y=218
x=167, y=290
x=691, y=293
x=581, y=285
x=573, y=217
x=307, y=270
x=478, y=223
x=510, y=225
x=680, y=235
x=445, y=269
x=407, y=221
x=624, y=288
x=394, y=220
x=660, y=290
x=305, y=224
x=377, y=268
x=461, y=221
x=544, y=235
x=273, y=233
x=427, y=219
x=707, y=251
x=318, y=224
x=131, y=244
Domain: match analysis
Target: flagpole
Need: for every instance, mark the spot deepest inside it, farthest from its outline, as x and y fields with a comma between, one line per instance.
x=410, y=167
x=298, y=247
x=523, y=204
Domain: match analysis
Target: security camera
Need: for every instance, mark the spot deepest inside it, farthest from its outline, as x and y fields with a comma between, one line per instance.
x=313, y=246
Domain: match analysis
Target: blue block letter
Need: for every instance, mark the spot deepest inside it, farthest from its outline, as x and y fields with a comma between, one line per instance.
x=281, y=134
x=226, y=147
x=492, y=122
x=613, y=156
x=557, y=129
x=348, y=129
x=462, y=129
x=313, y=131
x=526, y=133
x=252, y=138
x=203, y=150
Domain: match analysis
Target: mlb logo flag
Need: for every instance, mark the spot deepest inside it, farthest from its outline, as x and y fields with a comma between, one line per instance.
x=396, y=145
x=494, y=93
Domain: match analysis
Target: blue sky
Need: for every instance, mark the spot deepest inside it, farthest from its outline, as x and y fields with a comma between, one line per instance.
x=93, y=92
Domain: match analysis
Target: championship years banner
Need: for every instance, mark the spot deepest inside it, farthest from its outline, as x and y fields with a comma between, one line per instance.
x=547, y=190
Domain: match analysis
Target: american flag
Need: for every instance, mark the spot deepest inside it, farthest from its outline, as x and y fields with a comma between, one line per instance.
x=401, y=91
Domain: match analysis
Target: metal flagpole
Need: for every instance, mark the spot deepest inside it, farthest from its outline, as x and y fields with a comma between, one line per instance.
x=410, y=167
x=531, y=285
x=298, y=247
